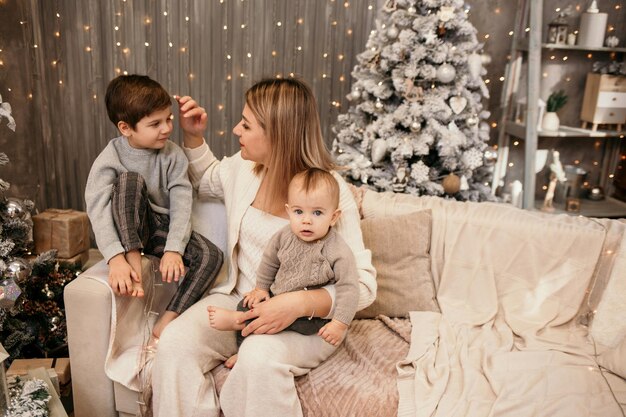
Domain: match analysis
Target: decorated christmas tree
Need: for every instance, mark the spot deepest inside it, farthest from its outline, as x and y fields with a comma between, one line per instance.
x=416, y=123
x=32, y=319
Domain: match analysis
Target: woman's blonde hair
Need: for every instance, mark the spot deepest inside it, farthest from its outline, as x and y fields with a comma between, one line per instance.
x=286, y=109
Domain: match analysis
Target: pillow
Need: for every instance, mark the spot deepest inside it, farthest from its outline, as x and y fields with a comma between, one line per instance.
x=400, y=248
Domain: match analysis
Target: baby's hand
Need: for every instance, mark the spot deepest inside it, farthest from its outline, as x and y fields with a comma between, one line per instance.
x=334, y=332
x=255, y=296
x=171, y=266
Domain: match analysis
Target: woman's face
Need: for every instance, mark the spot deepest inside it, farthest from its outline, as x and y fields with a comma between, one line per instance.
x=255, y=146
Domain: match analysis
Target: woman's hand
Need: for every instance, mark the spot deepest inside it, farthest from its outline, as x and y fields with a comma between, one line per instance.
x=273, y=315
x=193, y=121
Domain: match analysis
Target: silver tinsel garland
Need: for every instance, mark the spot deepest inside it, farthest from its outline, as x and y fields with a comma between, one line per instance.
x=29, y=398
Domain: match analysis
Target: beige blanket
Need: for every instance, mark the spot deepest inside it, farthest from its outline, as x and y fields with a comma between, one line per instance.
x=508, y=342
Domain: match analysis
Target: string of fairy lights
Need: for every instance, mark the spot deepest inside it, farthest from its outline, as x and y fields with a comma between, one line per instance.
x=178, y=19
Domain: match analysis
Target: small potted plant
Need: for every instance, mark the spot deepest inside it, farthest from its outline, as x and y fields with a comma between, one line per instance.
x=555, y=102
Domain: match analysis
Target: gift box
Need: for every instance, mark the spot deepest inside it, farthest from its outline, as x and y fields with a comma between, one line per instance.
x=78, y=260
x=58, y=370
x=67, y=231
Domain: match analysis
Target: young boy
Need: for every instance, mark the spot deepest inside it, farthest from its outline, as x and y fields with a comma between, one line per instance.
x=139, y=199
x=306, y=254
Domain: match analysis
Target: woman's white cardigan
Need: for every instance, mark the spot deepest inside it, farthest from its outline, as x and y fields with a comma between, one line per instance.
x=233, y=181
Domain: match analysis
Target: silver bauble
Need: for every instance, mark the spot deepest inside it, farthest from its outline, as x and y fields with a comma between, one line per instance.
x=412, y=10
x=355, y=94
x=18, y=269
x=415, y=127
x=378, y=104
x=446, y=73
x=14, y=208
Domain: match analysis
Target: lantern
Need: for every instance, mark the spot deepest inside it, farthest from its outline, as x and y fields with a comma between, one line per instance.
x=557, y=31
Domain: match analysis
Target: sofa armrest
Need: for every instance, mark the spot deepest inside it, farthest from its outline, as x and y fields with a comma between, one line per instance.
x=88, y=310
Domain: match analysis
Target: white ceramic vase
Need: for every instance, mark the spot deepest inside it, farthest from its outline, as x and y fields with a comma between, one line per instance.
x=550, y=122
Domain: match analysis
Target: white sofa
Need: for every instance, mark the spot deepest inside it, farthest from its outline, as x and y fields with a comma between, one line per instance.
x=528, y=321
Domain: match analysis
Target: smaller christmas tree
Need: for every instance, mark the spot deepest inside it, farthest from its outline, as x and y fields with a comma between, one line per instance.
x=32, y=319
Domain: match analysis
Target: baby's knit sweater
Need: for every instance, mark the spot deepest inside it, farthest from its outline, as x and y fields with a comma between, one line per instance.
x=290, y=264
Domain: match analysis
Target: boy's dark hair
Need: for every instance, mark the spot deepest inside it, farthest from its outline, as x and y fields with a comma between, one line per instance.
x=130, y=98
x=313, y=178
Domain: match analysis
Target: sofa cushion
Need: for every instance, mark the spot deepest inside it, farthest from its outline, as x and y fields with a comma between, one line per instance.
x=400, y=253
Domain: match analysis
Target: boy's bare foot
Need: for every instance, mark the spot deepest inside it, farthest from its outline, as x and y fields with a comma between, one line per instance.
x=230, y=362
x=137, y=289
x=222, y=319
x=133, y=258
x=164, y=320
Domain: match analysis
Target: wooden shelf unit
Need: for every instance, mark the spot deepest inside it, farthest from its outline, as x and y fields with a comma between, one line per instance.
x=526, y=50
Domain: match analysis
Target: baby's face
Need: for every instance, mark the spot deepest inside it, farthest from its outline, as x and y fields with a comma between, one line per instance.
x=312, y=213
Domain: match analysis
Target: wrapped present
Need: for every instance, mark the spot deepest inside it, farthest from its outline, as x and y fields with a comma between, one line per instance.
x=58, y=370
x=78, y=260
x=67, y=231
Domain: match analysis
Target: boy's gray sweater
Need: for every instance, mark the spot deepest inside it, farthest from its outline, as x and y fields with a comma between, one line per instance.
x=169, y=191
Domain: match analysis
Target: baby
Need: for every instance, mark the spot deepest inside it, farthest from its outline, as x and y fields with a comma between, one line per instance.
x=308, y=253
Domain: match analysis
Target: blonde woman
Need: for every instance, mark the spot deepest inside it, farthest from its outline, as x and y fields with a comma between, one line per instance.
x=279, y=135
